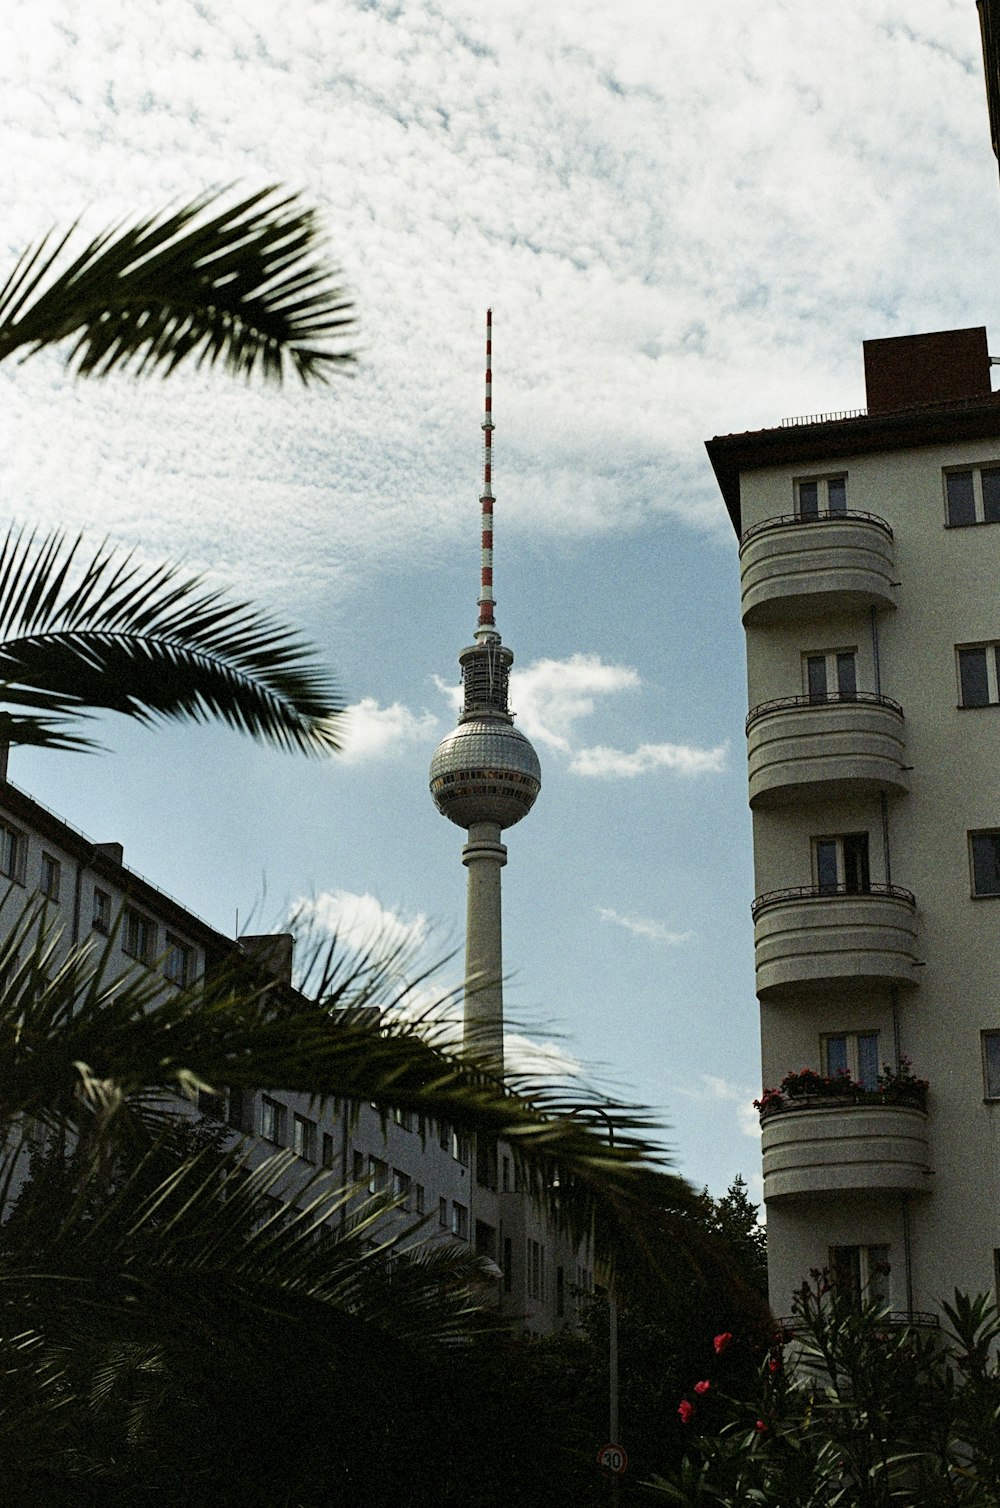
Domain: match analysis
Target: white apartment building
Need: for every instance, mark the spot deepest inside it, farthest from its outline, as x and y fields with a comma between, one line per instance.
x=464, y=1193
x=870, y=582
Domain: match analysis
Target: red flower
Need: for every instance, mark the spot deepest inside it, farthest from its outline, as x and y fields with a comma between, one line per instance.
x=760, y=1427
x=685, y=1409
x=774, y=1365
x=721, y=1342
x=702, y=1387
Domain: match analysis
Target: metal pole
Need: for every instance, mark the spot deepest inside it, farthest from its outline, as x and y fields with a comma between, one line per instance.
x=612, y=1334
x=613, y=1352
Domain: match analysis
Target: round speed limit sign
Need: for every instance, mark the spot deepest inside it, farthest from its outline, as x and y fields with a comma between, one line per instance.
x=612, y=1458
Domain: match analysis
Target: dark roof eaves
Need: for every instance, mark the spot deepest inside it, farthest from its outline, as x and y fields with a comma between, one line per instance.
x=900, y=430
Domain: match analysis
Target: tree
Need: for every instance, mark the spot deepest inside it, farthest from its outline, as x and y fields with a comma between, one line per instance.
x=147, y=1280
x=241, y=285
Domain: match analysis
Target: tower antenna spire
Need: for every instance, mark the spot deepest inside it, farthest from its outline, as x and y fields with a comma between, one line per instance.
x=487, y=624
x=485, y=777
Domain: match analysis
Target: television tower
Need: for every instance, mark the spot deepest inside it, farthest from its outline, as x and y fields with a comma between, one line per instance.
x=485, y=777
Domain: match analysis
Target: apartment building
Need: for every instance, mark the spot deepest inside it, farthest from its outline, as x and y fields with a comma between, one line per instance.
x=870, y=585
x=437, y=1175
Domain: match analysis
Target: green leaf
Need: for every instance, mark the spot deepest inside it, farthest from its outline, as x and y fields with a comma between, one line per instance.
x=245, y=285
x=80, y=632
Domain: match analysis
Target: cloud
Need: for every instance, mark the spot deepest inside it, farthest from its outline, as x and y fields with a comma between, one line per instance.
x=361, y=922
x=642, y=926
x=685, y=759
x=539, y=1059
x=372, y=732
x=722, y=1089
x=551, y=696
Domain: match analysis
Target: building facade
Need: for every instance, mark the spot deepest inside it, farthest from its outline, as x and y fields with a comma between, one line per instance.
x=870, y=583
x=444, y=1188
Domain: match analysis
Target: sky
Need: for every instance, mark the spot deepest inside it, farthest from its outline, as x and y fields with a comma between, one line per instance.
x=686, y=219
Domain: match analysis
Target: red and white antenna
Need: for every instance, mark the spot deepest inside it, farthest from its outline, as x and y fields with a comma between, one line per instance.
x=487, y=625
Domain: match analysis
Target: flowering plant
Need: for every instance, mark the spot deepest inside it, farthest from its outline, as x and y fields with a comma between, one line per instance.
x=894, y=1086
x=901, y=1083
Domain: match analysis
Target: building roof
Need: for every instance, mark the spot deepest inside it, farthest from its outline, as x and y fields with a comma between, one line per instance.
x=863, y=434
x=102, y=860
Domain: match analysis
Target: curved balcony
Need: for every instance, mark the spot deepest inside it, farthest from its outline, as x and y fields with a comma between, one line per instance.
x=823, y=1146
x=807, y=939
x=807, y=747
x=792, y=567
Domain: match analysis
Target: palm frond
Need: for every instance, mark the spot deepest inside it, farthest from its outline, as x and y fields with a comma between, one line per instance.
x=211, y=1233
x=103, y=631
x=83, y=1048
x=245, y=285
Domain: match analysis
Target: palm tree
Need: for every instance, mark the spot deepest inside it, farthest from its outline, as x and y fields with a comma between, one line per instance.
x=244, y=285
x=140, y=1269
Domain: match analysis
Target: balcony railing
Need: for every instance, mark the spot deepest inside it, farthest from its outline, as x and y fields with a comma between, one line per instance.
x=772, y=898
x=909, y=1319
x=789, y=703
x=789, y=520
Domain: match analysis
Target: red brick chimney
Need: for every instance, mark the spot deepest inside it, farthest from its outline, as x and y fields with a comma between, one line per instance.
x=906, y=371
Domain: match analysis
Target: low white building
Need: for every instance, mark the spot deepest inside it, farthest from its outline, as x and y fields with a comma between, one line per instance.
x=432, y=1169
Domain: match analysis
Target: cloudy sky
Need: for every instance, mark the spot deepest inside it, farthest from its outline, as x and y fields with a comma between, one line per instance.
x=686, y=218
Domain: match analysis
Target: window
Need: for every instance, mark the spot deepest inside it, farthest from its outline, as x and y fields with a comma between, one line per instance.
x=830, y=676
x=508, y=1264
x=212, y=1104
x=236, y=1109
x=977, y=674
x=444, y=1136
x=304, y=1138
x=459, y=1220
x=536, y=1269
x=272, y=1120
x=12, y=850
x=821, y=497
x=403, y=1118
x=177, y=963
x=984, y=850
x=855, y=1053
x=401, y=1187
x=443, y=1213
x=102, y=912
x=358, y=1167
x=991, y=1064
x=486, y=1240
x=486, y=1162
x=460, y=1147
x=378, y=1175
x=138, y=935
x=842, y=864
x=420, y=1198
x=508, y=1176
x=327, y=1150
x=50, y=877
x=972, y=496
x=861, y=1272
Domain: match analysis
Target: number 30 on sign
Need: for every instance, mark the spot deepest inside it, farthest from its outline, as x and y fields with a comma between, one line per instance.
x=612, y=1458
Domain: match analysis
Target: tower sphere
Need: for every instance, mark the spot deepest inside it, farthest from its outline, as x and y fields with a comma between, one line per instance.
x=485, y=770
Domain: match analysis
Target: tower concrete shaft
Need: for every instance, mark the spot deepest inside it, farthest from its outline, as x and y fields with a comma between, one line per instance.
x=482, y=1024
